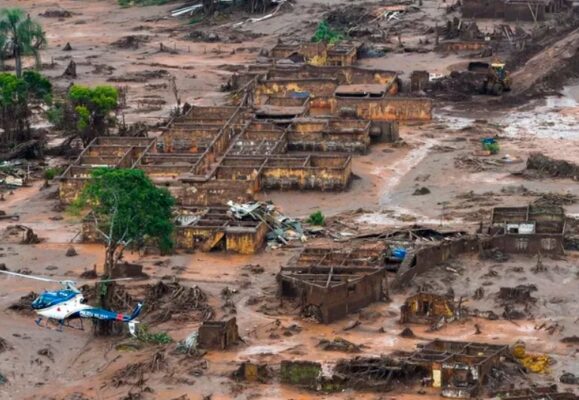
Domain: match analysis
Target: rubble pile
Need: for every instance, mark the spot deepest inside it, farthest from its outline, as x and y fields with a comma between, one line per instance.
x=339, y=344
x=134, y=374
x=131, y=42
x=539, y=165
x=56, y=13
x=24, y=304
x=456, y=86
x=20, y=234
x=166, y=301
x=4, y=345
x=281, y=229
x=375, y=372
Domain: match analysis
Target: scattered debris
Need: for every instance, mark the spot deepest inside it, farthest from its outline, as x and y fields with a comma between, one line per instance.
x=46, y=353
x=24, y=305
x=407, y=333
x=70, y=71
x=282, y=229
x=539, y=165
x=4, y=345
x=421, y=191
x=56, y=13
x=71, y=252
x=569, y=379
x=165, y=301
x=131, y=42
x=339, y=344
x=134, y=374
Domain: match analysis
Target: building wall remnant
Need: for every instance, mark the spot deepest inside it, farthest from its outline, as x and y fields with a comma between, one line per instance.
x=331, y=293
x=209, y=228
x=528, y=230
x=218, y=334
x=467, y=45
x=423, y=258
x=459, y=369
x=419, y=80
x=401, y=109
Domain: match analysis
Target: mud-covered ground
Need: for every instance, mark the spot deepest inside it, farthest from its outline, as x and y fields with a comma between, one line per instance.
x=441, y=155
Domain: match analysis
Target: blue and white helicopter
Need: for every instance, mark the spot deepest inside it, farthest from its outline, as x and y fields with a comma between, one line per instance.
x=69, y=303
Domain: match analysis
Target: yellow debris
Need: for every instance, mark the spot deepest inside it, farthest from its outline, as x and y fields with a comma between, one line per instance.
x=536, y=363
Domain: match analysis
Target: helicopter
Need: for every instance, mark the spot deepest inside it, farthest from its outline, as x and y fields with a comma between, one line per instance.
x=69, y=303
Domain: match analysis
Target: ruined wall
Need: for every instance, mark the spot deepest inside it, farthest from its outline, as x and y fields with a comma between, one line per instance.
x=192, y=237
x=245, y=240
x=337, y=301
x=351, y=136
x=529, y=244
x=307, y=178
x=483, y=8
x=470, y=45
x=400, y=109
x=285, y=87
x=422, y=259
x=212, y=192
x=218, y=334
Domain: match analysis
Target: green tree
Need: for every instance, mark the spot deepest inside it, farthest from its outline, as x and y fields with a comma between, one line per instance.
x=92, y=108
x=128, y=210
x=16, y=94
x=20, y=36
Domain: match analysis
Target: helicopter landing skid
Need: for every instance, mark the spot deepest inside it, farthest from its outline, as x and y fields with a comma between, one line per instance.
x=61, y=324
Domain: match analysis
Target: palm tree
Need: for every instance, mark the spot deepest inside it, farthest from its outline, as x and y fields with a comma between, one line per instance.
x=20, y=36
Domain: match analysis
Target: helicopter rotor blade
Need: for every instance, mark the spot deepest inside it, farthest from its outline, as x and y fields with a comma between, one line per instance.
x=114, y=280
x=37, y=278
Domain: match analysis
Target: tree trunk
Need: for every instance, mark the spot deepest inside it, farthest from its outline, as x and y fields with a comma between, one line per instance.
x=18, y=60
x=105, y=294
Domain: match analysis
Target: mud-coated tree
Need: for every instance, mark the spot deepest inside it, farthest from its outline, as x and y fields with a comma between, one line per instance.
x=20, y=36
x=128, y=210
x=16, y=97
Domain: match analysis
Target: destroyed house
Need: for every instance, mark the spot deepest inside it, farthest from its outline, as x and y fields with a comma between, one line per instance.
x=330, y=293
x=529, y=230
x=110, y=152
x=511, y=10
x=330, y=135
x=329, y=283
x=426, y=308
x=212, y=155
x=209, y=228
x=218, y=335
x=535, y=393
x=425, y=248
x=320, y=53
x=459, y=369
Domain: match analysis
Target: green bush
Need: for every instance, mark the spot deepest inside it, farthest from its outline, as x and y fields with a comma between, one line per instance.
x=316, y=218
x=324, y=33
x=55, y=115
x=38, y=85
x=52, y=172
x=145, y=336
